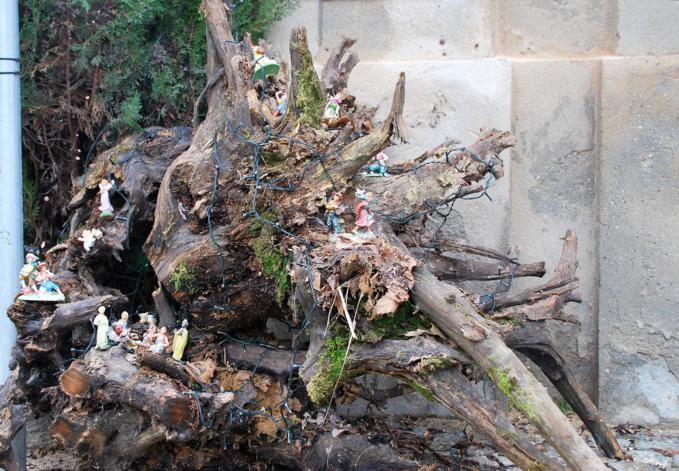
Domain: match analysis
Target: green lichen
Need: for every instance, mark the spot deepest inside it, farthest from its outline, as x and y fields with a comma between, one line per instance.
x=310, y=100
x=274, y=263
x=183, y=279
x=422, y=390
x=329, y=369
x=516, y=395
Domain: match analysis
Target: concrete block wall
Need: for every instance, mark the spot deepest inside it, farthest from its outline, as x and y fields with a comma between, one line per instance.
x=590, y=88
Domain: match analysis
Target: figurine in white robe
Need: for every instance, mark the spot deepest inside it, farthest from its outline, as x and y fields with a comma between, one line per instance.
x=105, y=207
x=101, y=323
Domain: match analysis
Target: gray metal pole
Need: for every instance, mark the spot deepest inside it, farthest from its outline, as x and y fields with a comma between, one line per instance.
x=11, y=206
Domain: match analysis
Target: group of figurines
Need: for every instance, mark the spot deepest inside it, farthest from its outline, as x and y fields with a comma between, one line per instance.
x=36, y=282
x=365, y=218
x=335, y=207
x=155, y=340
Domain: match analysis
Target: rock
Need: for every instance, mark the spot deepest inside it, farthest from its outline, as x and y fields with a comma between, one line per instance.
x=675, y=461
x=651, y=457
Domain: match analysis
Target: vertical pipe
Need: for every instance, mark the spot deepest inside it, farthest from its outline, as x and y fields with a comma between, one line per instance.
x=11, y=206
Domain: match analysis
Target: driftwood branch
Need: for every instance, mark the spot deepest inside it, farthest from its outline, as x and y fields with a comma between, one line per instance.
x=531, y=342
x=335, y=74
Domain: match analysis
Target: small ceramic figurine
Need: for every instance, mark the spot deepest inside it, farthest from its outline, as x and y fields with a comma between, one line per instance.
x=118, y=330
x=332, y=109
x=364, y=215
x=161, y=342
x=28, y=273
x=105, y=207
x=378, y=168
x=47, y=288
x=335, y=207
x=101, y=322
x=89, y=237
x=181, y=338
x=264, y=65
x=151, y=333
x=282, y=102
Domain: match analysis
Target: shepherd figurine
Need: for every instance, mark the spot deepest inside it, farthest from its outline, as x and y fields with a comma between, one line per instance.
x=101, y=323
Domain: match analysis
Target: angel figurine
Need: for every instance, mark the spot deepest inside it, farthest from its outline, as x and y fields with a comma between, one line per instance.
x=89, y=237
x=161, y=342
x=105, y=207
x=101, y=323
x=364, y=215
x=181, y=338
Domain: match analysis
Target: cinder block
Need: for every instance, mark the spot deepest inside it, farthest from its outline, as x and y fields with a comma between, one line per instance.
x=447, y=99
x=306, y=14
x=397, y=30
x=553, y=188
x=548, y=28
x=392, y=30
x=639, y=252
x=648, y=27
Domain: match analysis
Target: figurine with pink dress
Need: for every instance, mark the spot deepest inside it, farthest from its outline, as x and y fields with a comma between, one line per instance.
x=364, y=215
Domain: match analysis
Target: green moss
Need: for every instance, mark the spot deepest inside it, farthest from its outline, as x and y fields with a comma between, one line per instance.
x=565, y=407
x=511, y=321
x=329, y=369
x=435, y=363
x=395, y=326
x=183, y=279
x=419, y=388
x=516, y=395
x=310, y=100
x=274, y=263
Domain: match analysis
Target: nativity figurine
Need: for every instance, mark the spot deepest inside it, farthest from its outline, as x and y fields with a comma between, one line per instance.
x=28, y=273
x=335, y=207
x=118, y=331
x=36, y=282
x=89, y=237
x=264, y=66
x=364, y=215
x=105, y=207
x=181, y=339
x=101, y=323
x=161, y=342
x=281, y=103
x=379, y=168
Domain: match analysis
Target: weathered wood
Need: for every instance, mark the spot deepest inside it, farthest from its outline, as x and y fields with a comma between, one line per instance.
x=457, y=317
x=535, y=345
x=547, y=299
x=457, y=268
x=438, y=181
x=267, y=360
x=353, y=452
x=167, y=365
x=109, y=377
x=335, y=73
x=306, y=97
x=71, y=314
x=166, y=316
x=436, y=375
